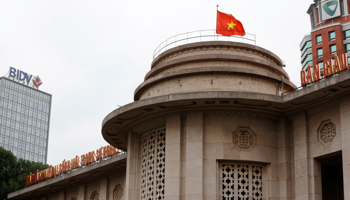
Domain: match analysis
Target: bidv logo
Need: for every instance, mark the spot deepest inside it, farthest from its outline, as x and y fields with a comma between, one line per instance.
x=25, y=77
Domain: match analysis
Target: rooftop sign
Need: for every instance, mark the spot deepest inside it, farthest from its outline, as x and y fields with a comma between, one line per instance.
x=330, y=9
x=74, y=163
x=330, y=67
x=24, y=77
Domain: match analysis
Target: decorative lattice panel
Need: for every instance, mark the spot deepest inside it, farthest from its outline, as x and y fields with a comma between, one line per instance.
x=160, y=165
x=144, y=167
x=256, y=182
x=241, y=181
x=153, y=165
x=228, y=181
x=117, y=192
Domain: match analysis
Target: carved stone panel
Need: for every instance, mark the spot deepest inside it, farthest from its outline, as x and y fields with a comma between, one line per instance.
x=244, y=138
x=94, y=196
x=326, y=132
x=117, y=192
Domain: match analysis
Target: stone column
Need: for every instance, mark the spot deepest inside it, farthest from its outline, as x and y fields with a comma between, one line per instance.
x=301, y=157
x=194, y=156
x=103, y=194
x=345, y=134
x=132, y=176
x=81, y=192
x=284, y=160
x=173, y=157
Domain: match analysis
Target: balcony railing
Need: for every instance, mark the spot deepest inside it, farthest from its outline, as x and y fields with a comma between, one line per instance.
x=201, y=36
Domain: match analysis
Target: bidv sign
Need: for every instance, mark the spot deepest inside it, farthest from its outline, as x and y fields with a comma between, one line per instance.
x=25, y=77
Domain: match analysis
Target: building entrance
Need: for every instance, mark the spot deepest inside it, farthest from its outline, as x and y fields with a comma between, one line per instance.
x=332, y=177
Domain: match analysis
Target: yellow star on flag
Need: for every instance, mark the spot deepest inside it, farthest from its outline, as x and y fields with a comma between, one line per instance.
x=231, y=25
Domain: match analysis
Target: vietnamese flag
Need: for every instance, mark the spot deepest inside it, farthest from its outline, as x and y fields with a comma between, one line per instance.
x=228, y=25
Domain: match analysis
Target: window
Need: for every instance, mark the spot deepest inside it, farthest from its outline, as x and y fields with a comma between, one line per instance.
x=319, y=39
x=307, y=60
x=347, y=50
x=321, y=65
x=307, y=46
x=319, y=53
x=331, y=36
x=333, y=49
x=241, y=181
x=346, y=34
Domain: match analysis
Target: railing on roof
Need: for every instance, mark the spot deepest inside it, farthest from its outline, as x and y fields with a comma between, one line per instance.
x=201, y=36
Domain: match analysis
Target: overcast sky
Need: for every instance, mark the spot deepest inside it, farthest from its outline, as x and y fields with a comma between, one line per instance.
x=91, y=55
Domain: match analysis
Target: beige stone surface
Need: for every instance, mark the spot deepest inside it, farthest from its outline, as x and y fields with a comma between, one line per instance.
x=209, y=82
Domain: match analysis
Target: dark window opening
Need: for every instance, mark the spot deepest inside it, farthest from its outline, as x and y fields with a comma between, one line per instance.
x=332, y=176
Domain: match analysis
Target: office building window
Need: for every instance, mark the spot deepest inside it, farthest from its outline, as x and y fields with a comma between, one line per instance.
x=321, y=65
x=307, y=60
x=346, y=34
x=331, y=36
x=319, y=53
x=333, y=49
x=347, y=50
x=307, y=46
x=319, y=39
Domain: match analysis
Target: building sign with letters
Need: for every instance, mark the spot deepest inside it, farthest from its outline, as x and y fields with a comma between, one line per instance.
x=68, y=165
x=330, y=67
x=24, y=77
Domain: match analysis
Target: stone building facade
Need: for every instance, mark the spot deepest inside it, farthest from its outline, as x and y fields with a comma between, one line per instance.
x=219, y=120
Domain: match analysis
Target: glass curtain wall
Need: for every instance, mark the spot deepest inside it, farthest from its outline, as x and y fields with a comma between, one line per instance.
x=24, y=120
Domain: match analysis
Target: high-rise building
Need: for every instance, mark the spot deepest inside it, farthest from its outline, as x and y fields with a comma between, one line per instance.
x=330, y=32
x=24, y=116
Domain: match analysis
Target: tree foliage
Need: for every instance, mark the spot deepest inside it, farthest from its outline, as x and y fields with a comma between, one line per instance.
x=13, y=172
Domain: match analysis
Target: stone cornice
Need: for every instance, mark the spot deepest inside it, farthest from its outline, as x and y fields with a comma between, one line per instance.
x=149, y=122
x=322, y=106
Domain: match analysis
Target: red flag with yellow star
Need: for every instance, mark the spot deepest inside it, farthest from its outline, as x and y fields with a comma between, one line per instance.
x=228, y=25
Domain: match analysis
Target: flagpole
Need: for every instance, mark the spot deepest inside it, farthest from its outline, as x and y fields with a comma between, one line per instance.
x=217, y=9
